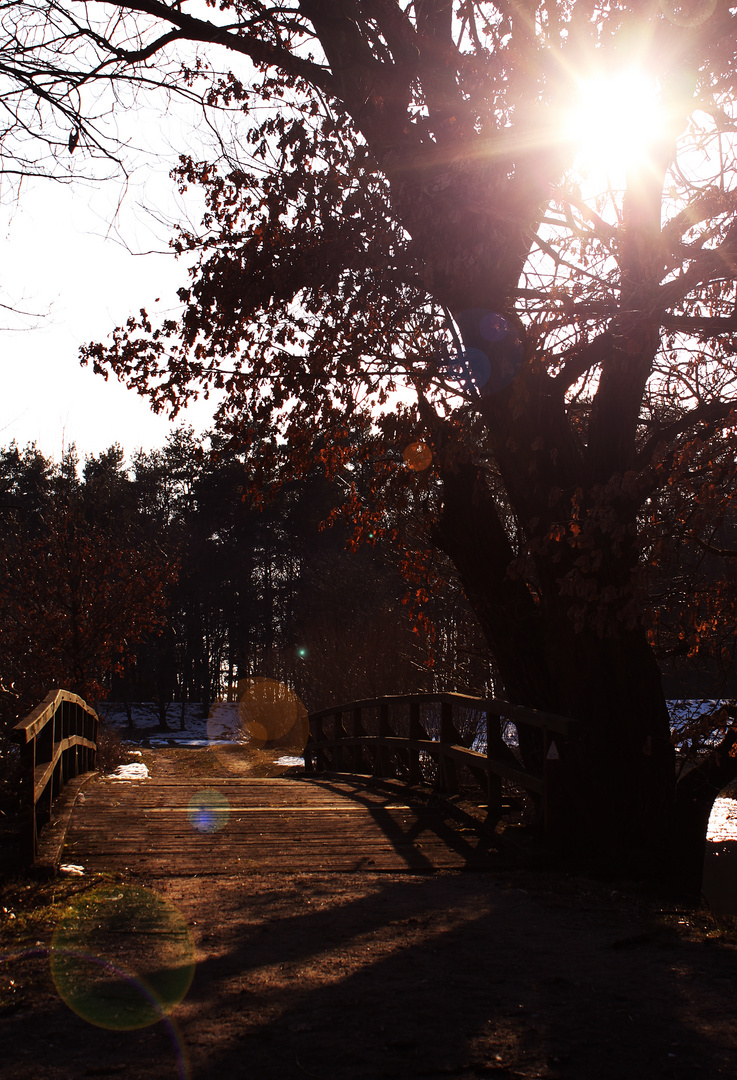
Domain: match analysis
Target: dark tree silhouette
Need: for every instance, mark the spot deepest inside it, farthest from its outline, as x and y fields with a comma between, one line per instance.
x=79, y=585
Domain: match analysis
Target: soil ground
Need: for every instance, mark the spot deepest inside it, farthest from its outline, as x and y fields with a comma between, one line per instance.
x=359, y=976
x=367, y=976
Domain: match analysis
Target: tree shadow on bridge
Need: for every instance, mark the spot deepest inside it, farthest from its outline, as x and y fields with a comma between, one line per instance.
x=434, y=821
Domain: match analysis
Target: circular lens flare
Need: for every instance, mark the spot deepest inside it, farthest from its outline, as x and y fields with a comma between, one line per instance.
x=417, y=456
x=208, y=811
x=688, y=13
x=122, y=957
x=271, y=715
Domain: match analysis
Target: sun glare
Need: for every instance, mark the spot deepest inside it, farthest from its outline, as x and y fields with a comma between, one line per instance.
x=613, y=121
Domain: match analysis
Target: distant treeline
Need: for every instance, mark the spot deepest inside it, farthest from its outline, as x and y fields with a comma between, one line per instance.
x=164, y=581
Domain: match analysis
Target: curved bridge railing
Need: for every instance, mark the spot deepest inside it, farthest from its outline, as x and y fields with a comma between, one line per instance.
x=58, y=741
x=389, y=737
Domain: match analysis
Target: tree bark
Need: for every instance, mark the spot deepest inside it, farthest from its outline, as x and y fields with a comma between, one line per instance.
x=619, y=773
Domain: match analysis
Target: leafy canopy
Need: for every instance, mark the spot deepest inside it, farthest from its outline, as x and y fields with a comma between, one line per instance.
x=408, y=233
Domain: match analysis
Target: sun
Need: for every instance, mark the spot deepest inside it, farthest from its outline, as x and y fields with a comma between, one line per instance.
x=614, y=120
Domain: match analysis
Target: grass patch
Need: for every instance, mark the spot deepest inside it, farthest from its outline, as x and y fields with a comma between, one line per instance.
x=30, y=909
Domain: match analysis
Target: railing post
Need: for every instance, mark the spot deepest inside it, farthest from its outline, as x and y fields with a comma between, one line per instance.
x=28, y=770
x=382, y=764
x=320, y=749
x=94, y=724
x=447, y=779
x=338, y=736
x=76, y=761
x=308, y=753
x=551, y=787
x=493, y=780
x=415, y=732
x=357, y=730
x=64, y=708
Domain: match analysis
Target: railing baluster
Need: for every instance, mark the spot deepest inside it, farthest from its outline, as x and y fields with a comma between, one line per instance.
x=447, y=779
x=416, y=731
x=338, y=744
x=58, y=738
x=493, y=779
x=358, y=732
x=382, y=756
x=488, y=769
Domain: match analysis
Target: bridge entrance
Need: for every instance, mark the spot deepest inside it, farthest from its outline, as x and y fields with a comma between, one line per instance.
x=202, y=812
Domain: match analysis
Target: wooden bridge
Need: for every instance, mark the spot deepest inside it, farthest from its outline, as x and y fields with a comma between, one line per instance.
x=376, y=794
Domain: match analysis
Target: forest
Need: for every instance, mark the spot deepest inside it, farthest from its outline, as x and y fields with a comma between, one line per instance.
x=164, y=582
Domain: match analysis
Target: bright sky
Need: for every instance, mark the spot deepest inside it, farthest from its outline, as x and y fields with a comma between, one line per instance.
x=65, y=258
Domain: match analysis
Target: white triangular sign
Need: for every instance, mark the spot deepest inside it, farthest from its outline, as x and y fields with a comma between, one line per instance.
x=553, y=754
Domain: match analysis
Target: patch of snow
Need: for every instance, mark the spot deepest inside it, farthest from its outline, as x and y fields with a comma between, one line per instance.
x=182, y=739
x=723, y=818
x=289, y=759
x=136, y=770
x=222, y=725
x=72, y=868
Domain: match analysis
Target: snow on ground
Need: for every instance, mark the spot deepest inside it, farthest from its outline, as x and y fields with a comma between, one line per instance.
x=221, y=725
x=191, y=727
x=134, y=770
x=687, y=710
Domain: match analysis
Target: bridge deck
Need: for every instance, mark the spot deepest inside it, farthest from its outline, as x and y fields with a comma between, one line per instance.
x=261, y=822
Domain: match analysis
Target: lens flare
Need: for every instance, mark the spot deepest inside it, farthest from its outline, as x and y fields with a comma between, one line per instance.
x=493, y=326
x=272, y=715
x=208, y=810
x=417, y=456
x=223, y=723
x=122, y=957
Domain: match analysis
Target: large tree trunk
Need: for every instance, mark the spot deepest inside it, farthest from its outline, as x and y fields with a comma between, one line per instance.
x=619, y=772
x=620, y=769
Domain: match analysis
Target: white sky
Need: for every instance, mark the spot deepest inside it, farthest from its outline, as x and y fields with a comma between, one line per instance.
x=59, y=262
x=68, y=255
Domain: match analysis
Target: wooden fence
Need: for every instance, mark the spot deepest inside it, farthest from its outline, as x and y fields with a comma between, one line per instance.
x=389, y=736
x=58, y=741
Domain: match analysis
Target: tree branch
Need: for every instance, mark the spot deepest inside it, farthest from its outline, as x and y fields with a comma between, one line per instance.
x=700, y=324
x=582, y=360
x=723, y=553
x=238, y=40
x=710, y=413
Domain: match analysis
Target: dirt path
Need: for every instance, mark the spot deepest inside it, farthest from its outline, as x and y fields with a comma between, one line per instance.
x=357, y=976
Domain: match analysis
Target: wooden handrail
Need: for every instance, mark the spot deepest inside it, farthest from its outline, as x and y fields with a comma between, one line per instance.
x=58, y=741
x=385, y=753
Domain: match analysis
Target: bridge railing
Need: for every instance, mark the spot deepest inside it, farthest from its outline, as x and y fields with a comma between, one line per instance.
x=389, y=736
x=58, y=741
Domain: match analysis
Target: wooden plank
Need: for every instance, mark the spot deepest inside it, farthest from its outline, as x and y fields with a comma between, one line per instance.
x=274, y=824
